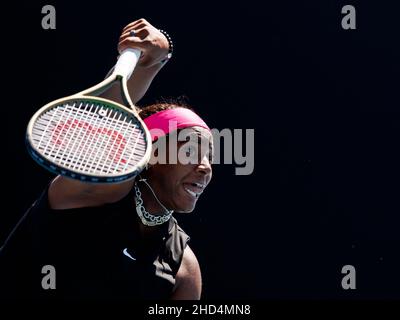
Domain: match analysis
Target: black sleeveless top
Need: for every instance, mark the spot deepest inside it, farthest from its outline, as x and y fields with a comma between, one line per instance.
x=97, y=252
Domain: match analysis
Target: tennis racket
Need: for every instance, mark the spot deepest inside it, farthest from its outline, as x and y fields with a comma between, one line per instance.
x=90, y=138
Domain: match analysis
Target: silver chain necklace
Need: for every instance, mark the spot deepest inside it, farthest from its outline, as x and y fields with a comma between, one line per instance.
x=147, y=218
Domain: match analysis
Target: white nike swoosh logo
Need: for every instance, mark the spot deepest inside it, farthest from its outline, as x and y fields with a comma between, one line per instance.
x=125, y=252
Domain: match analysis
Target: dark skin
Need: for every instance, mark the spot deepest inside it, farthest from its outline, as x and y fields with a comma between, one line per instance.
x=171, y=182
x=66, y=193
x=167, y=180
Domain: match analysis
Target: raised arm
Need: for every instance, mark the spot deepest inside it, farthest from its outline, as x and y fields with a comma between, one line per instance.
x=67, y=193
x=154, y=45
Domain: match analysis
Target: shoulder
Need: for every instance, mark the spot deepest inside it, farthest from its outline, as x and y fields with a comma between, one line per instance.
x=188, y=278
x=180, y=237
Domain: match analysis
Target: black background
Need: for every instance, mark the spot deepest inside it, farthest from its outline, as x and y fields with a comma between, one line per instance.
x=324, y=103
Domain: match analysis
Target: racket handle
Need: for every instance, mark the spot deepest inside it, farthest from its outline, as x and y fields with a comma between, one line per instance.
x=127, y=62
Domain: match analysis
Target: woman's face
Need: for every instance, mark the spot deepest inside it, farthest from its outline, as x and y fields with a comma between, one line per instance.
x=179, y=186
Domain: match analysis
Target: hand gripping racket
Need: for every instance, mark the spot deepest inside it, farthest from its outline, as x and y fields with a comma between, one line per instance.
x=90, y=138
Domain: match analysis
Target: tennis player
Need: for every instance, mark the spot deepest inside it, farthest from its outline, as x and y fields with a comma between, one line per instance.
x=85, y=240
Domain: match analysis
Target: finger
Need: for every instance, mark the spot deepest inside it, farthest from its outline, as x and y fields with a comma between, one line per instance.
x=130, y=39
x=136, y=24
x=134, y=27
x=140, y=33
x=131, y=42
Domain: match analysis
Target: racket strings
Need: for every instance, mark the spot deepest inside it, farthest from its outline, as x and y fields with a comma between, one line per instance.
x=89, y=138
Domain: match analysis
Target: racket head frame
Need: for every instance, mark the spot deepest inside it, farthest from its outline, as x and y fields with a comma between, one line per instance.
x=85, y=96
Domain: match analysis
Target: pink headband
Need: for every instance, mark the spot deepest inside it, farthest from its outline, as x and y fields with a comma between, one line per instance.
x=166, y=121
